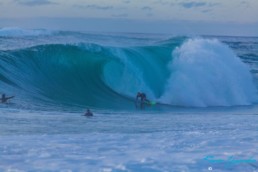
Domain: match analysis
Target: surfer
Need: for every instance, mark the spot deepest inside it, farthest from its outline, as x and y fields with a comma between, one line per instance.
x=142, y=98
x=88, y=113
x=4, y=98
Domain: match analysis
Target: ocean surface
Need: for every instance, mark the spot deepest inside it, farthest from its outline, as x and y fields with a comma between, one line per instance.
x=205, y=88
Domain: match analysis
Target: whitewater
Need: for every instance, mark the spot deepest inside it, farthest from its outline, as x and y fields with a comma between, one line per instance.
x=205, y=89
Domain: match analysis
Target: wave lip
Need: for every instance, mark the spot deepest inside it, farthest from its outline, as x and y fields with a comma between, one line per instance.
x=206, y=72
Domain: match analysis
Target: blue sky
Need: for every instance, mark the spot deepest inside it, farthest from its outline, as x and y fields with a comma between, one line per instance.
x=194, y=17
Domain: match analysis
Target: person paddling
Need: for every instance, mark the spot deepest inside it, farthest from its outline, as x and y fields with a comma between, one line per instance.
x=4, y=98
x=88, y=113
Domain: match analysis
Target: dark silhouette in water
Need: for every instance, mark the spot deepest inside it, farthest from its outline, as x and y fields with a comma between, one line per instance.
x=88, y=113
x=4, y=98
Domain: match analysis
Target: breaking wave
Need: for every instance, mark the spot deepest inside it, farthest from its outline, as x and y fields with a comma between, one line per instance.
x=180, y=71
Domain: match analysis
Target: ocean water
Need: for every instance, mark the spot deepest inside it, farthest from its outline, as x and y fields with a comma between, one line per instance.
x=205, y=87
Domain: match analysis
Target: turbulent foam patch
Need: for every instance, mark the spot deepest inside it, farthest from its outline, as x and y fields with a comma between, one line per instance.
x=206, y=72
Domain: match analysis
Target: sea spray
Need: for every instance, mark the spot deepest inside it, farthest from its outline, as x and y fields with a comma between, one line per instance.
x=206, y=72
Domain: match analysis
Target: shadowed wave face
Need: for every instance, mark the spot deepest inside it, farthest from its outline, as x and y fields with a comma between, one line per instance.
x=178, y=71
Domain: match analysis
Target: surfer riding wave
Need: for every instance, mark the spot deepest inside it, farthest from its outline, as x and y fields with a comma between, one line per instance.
x=141, y=99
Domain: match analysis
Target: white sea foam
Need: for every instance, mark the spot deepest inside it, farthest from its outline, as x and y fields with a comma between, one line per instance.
x=104, y=142
x=206, y=72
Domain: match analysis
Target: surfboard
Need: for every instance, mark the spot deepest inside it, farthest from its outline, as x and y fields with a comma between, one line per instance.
x=145, y=103
x=152, y=103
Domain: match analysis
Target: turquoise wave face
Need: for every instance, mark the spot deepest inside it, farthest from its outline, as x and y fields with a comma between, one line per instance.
x=86, y=74
x=178, y=72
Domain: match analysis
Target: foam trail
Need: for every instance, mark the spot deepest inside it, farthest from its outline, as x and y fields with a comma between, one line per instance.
x=206, y=72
